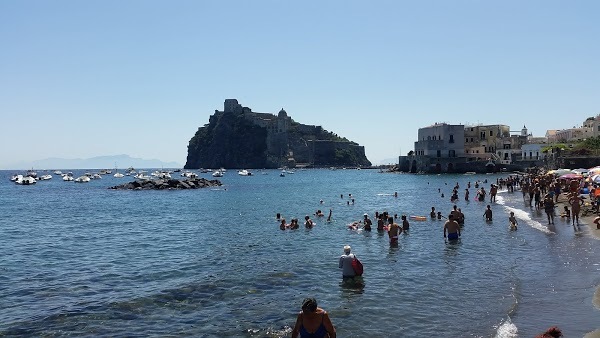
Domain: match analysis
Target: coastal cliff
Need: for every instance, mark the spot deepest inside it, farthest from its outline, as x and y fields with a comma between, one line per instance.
x=239, y=138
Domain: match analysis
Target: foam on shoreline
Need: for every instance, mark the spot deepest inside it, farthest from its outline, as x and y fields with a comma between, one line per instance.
x=524, y=216
x=507, y=330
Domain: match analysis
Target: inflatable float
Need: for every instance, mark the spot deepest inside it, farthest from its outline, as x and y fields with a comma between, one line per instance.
x=418, y=218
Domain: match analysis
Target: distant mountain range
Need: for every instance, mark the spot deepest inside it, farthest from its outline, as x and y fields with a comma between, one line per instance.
x=99, y=162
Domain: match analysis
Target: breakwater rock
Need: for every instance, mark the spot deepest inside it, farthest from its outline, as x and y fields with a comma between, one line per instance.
x=171, y=184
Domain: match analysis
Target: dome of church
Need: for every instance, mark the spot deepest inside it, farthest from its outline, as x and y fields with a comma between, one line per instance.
x=282, y=113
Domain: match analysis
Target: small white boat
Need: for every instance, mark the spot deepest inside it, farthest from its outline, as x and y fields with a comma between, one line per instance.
x=96, y=176
x=25, y=180
x=83, y=179
x=142, y=176
x=189, y=174
x=118, y=175
x=282, y=173
x=217, y=173
x=15, y=177
x=46, y=177
x=57, y=172
x=470, y=173
x=244, y=172
x=68, y=178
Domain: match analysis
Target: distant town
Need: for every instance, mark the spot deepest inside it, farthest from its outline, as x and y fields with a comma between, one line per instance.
x=449, y=148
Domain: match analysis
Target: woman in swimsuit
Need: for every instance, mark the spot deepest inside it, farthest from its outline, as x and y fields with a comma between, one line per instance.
x=313, y=322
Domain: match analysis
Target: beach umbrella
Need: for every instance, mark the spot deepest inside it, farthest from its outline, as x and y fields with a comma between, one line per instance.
x=594, y=170
x=595, y=178
x=559, y=172
x=571, y=176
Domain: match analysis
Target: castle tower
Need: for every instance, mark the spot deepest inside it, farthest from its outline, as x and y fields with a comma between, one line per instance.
x=524, y=131
x=283, y=123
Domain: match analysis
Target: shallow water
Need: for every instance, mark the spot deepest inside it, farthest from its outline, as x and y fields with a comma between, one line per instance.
x=82, y=260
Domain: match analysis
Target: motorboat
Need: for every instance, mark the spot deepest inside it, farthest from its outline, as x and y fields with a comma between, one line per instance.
x=189, y=174
x=96, y=176
x=57, y=172
x=46, y=177
x=15, y=177
x=282, y=173
x=217, y=173
x=68, y=178
x=118, y=175
x=83, y=179
x=142, y=176
x=244, y=172
x=25, y=180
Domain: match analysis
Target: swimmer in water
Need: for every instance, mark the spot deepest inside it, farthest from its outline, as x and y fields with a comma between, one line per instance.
x=308, y=223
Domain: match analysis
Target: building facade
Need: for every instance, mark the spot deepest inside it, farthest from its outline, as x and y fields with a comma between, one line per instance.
x=441, y=140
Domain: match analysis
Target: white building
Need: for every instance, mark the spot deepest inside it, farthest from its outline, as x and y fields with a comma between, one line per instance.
x=532, y=151
x=441, y=140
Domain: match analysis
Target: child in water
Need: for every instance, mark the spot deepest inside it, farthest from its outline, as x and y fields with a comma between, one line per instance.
x=488, y=214
x=512, y=221
x=566, y=213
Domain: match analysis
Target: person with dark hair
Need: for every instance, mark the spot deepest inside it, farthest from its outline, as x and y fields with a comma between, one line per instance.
x=452, y=229
x=313, y=322
x=553, y=332
x=393, y=232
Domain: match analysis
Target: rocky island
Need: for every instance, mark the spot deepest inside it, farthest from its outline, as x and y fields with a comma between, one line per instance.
x=237, y=137
x=168, y=184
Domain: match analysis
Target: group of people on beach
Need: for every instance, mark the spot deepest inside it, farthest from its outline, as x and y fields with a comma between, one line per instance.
x=540, y=191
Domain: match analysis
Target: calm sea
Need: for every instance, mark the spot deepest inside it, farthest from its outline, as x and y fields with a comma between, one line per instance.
x=81, y=260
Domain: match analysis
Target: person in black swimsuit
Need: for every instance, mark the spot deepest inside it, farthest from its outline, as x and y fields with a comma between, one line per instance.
x=313, y=322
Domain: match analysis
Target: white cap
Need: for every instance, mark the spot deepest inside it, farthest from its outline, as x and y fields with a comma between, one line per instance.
x=347, y=248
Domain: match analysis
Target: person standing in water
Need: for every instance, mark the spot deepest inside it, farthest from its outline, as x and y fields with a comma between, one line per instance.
x=452, y=229
x=488, y=214
x=313, y=321
x=549, y=208
x=512, y=221
x=346, y=264
x=432, y=213
x=393, y=232
x=405, y=224
x=367, y=223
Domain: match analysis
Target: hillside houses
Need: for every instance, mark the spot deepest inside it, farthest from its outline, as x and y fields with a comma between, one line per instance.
x=444, y=147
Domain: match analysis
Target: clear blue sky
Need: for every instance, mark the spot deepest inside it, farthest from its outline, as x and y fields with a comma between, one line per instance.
x=80, y=79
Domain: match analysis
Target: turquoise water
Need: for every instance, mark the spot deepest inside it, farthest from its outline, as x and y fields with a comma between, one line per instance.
x=82, y=260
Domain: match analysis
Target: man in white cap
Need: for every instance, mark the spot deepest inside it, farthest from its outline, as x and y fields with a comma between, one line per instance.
x=346, y=264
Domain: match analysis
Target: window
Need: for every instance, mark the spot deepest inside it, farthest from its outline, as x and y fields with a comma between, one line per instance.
x=451, y=153
x=471, y=139
x=451, y=139
x=507, y=146
x=491, y=133
x=434, y=138
x=467, y=141
x=530, y=155
x=482, y=135
x=428, y=138
x=439, y=153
